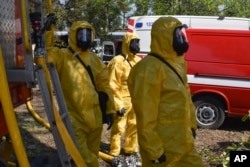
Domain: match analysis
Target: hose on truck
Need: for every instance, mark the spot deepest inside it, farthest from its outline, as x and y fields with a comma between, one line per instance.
x=36, y=116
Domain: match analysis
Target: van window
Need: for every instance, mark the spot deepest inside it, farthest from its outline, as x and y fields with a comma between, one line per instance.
x=108, y=50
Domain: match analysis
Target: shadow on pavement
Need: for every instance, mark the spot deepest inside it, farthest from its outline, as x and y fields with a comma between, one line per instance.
x=235, y=123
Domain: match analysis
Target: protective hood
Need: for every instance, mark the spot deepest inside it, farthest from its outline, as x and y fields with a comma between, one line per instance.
x=72, y=34
x=162, y=37
x=126, y=43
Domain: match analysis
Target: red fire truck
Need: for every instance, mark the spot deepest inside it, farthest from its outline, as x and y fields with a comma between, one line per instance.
x=218, y=64
x=20, y=71
x=13, y=55
x=16, y=73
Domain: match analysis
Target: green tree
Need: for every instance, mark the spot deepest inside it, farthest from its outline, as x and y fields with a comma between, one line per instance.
x=235, y=8
x=104, y=15
x=142, y=7
x=110, y=15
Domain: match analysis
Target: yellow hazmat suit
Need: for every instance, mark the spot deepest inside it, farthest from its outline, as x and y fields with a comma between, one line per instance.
x=180, y=60
x=79, y=92
x=119, y=68
x=162, y=103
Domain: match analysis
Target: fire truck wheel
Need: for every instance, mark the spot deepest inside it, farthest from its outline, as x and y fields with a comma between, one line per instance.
x=209, y=113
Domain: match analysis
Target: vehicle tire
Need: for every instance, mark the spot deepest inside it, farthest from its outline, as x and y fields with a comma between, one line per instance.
x=209, y=113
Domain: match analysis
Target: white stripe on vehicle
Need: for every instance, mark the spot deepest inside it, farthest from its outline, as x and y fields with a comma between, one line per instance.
x=218, y=81
x=131, y=27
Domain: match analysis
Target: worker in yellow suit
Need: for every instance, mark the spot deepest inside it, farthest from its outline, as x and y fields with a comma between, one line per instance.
x=124, y=119
x=79, y=91
x=183, y=66
x=162, y=102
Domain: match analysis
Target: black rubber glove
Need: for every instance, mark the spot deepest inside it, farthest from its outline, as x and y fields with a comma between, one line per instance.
x=160, y=160
x=109, y=120
x=50, y=19
x=121, y=112
x=103, y=99
x=193, y=132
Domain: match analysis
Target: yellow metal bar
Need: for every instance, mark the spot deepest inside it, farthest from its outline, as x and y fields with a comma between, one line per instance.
x=10, y=117
x=24, y=21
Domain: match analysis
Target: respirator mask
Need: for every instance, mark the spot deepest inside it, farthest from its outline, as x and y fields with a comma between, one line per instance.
x=84, y=38
x=134, y=46
x=180, y=42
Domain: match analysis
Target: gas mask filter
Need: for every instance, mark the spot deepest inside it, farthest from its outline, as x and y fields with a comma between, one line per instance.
x=134, y=46
x=180, y=43
x=84, y=38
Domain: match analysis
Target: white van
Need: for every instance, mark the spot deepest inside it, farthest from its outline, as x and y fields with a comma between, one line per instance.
x=141, y=25
x=108, y=51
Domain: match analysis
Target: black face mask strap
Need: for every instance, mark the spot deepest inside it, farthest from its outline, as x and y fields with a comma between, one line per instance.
x=165, y=62
x=71, y=50
x=127, y=60
x=84, y=65
x=88, y=70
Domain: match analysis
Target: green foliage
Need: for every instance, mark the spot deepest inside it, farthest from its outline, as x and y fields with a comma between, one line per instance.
x=239, y=8
x=111, y=15
x=60, y=14
x=103, y=15
x=236, y=8
x=246, y=117
x=142, y=7
x=209, y=156
x=242, y=146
